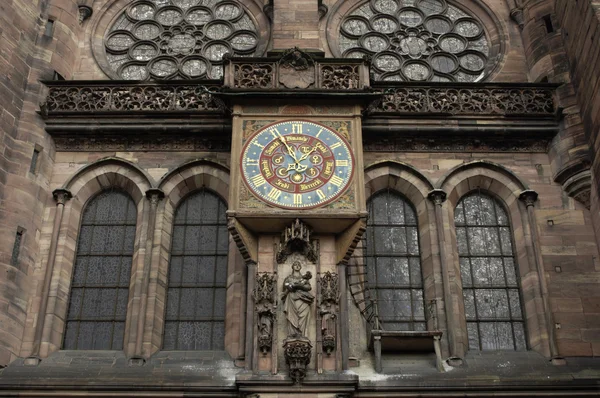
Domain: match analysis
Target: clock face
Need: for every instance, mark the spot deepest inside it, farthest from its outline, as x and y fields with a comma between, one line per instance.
x=297, y=164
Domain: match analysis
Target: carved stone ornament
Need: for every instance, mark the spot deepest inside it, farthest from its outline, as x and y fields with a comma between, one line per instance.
x=465, y=101
x=529, y=197
x=328, y=310
x=296, y=69
x=264, y=304
x=99, y=99
x=296, y=238
x=297, y=351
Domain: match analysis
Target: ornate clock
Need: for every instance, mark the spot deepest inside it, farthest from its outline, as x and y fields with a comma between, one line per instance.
x=297, y=164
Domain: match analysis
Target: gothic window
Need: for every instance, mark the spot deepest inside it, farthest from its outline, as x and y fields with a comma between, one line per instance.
x=178, y=39
x=393, y=262
x=195, y=308
x=101, y=275
x=489, y=276
x=416, y=40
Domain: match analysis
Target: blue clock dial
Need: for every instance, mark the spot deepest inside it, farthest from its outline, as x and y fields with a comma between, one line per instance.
x=297, y=164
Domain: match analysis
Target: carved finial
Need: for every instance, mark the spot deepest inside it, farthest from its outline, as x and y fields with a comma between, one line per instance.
x=529, y=197
x=296, y=238
x=61, y=196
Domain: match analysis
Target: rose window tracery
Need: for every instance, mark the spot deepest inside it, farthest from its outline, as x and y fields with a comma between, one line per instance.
x=416, y=40
x=178, y=39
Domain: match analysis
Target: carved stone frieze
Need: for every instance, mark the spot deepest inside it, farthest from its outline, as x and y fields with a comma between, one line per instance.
x=296, y=238
x=466, y=101
x=98, y=99
x=264, y=304
x=328, y=310
x=254, y=75
x=340, y=76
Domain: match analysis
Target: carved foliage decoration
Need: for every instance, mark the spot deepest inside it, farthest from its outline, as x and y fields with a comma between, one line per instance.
x=254, y=75
x=264, y=302
x=297, y=355
x=340, y=77
x=468, y=101
x=296, y=238
x=128, y=98
x=178, y=39
x=416, y=40
x=328, y=310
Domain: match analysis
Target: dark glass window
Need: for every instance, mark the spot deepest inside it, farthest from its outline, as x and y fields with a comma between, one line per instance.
x=394, y=263
x=195, y=308
x=101, y=275
x=489, y=275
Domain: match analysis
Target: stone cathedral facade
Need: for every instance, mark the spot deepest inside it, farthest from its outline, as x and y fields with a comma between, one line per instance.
x=320, y=198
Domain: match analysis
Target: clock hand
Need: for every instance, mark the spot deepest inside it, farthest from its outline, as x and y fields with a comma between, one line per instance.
x=306, y=154
x=290, y=150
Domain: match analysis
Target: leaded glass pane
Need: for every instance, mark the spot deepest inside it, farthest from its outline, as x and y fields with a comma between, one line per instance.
x=491, y=296
x=101, y=275
x=425, y=40
x=195, y=306
x=393, y=262
x=178, y=39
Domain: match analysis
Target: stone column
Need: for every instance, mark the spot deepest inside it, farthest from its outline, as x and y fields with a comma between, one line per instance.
x=438, y=197
x=61, y=196
x=154, y=196
x=529, y=197
x=251, y=268
x=343, y=321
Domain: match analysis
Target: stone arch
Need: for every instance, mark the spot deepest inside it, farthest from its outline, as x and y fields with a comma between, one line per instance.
x=105, y=174
x=415, y=187
x=502, y=184
x=176, y=185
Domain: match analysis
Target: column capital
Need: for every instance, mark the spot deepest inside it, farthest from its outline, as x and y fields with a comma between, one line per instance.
x=437, y=196
x=529, y=197
x=154, y=195
x=61, y=196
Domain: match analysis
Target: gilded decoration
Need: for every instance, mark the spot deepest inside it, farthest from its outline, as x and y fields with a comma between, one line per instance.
x=249, y=127
x=342, y=127
x=346, y=201
x=248, y=200
x=417, y=40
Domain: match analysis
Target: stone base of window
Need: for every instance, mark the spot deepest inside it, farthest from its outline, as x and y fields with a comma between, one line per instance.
x=558, y=361
x=399, y=341
x=32, y=361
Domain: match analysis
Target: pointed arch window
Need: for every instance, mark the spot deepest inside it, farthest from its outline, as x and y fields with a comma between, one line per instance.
x=195, y=308
x=490, y=280
x=101, y=275
x=393, y=262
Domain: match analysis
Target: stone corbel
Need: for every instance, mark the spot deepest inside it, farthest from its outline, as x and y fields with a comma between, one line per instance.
x=85, y=10
x=296, y=238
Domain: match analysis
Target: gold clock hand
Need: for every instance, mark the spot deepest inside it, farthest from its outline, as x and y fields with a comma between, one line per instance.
x=306, y=154
x=290, y=150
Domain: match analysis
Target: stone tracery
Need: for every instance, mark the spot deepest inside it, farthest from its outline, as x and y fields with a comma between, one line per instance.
x=416, y=40
x=178, y=39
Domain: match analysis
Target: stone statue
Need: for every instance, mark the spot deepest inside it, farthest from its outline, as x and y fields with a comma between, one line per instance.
x=296, y=300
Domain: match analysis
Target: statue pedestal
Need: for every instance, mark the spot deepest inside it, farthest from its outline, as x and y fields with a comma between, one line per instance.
x=297, y=351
